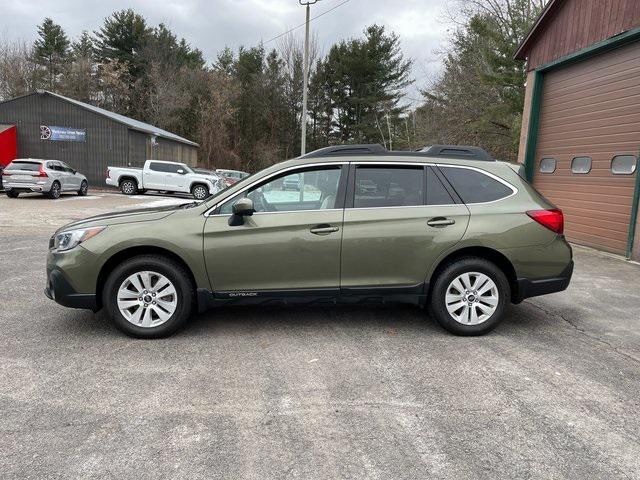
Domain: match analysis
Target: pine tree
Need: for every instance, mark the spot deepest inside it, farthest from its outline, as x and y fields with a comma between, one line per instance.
x=83, y=46
x=122, y=38
x=365, y=80
x=51, y=49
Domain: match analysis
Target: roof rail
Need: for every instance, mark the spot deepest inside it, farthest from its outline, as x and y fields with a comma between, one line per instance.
x=457, y=151
x=447, y=151
x=338, y=150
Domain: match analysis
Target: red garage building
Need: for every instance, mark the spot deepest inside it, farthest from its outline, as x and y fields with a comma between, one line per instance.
x=581, y=125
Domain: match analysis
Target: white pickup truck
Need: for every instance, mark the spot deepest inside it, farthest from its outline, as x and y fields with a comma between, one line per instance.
x=164, y=176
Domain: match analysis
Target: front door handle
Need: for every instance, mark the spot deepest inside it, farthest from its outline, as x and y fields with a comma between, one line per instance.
x=323, y=229
x=440, y=222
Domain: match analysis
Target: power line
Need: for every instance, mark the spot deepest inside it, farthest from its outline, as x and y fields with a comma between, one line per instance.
x=303, y=24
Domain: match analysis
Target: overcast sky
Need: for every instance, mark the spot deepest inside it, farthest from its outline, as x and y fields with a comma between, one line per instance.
x=210, y=25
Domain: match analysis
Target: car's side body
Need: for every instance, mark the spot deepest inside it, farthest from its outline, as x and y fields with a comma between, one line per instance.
x=161, y=175
x=36, y=175
x=355, y=254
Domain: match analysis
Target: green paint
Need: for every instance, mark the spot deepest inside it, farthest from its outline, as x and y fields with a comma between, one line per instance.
x=595, y=49
x=634, y=214
x=534, y=125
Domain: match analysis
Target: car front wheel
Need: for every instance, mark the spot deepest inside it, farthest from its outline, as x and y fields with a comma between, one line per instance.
x=148, y=296
x=84, y=188
x=469, y=296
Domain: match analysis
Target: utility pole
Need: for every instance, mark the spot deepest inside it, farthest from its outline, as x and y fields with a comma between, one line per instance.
x=305, y=80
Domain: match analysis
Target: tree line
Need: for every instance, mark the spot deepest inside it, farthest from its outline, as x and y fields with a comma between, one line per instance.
x=244, y=108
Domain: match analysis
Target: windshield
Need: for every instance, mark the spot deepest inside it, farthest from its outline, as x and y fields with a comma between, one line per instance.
x=30, y=166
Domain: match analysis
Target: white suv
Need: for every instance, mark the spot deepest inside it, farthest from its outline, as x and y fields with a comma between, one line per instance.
x=50, y=177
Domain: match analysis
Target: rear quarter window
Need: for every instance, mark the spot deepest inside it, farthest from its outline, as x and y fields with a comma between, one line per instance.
x=475, y=187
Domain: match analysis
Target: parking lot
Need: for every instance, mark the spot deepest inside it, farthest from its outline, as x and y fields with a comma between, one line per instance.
x=313, y=392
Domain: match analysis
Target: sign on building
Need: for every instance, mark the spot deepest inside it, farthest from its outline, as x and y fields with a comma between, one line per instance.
x=62, y=134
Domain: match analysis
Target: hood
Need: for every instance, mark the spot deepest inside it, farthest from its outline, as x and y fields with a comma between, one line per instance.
x=125, y=216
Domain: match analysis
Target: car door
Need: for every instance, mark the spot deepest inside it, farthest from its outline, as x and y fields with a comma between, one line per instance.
x=399, y=218
x=176, y=179
x=72, y=180
x=57, y=173
x=291, y=242
x=154, y=176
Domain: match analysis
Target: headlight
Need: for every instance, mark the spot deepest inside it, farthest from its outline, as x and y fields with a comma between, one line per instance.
x=64, y=241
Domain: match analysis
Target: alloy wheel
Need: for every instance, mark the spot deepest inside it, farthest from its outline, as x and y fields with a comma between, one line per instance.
x=127, y=187
x=147, y=299
x=472, y=298
x=200, y=192
x=55, y=190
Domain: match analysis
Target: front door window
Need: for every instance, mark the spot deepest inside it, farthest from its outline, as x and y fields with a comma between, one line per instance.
x=315, y=189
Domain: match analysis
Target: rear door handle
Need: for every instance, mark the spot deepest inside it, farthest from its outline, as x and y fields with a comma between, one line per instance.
x=440, y=222
x=323, y=229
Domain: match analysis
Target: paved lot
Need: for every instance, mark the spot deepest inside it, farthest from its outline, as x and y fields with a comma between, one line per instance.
x=357, y=392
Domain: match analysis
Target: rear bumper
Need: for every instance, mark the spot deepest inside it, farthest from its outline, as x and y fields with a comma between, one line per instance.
x=528, y=288
x=60, y=290
x=27, y=187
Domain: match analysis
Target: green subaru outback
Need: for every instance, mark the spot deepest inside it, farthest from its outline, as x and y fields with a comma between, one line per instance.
x=448, y=227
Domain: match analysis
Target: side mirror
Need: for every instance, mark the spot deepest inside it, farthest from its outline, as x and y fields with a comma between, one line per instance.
x=181, y=171
x=242, y=208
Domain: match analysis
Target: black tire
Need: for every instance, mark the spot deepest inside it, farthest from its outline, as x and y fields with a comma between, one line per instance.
x=175, y=272
x=438, y=307
x=129, y=187
x=12, y=194
x=84, y=188
x=54, y=193
x=200, y=191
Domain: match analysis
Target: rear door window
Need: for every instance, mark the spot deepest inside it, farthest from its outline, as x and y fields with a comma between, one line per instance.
x=475, y=187
x=388, y=186
x=437, y=194
x=164, y=167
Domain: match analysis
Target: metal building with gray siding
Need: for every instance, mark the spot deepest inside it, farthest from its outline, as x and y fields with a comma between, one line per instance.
x=88, y=138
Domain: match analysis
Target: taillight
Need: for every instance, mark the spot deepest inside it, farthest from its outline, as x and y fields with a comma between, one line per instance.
x=41, y=172
x=552, y=219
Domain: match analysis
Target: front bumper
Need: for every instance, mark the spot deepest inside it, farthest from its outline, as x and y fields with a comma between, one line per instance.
x=111, y=182
x=60, y=290
x=528, y=288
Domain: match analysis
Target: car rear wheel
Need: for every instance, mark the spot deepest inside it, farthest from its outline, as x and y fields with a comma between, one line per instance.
x=54, y=193
x=128, y=187
x=84, y=188
x=148, y=296
x=469, y=296
x=200, y=192
x=12, y=194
